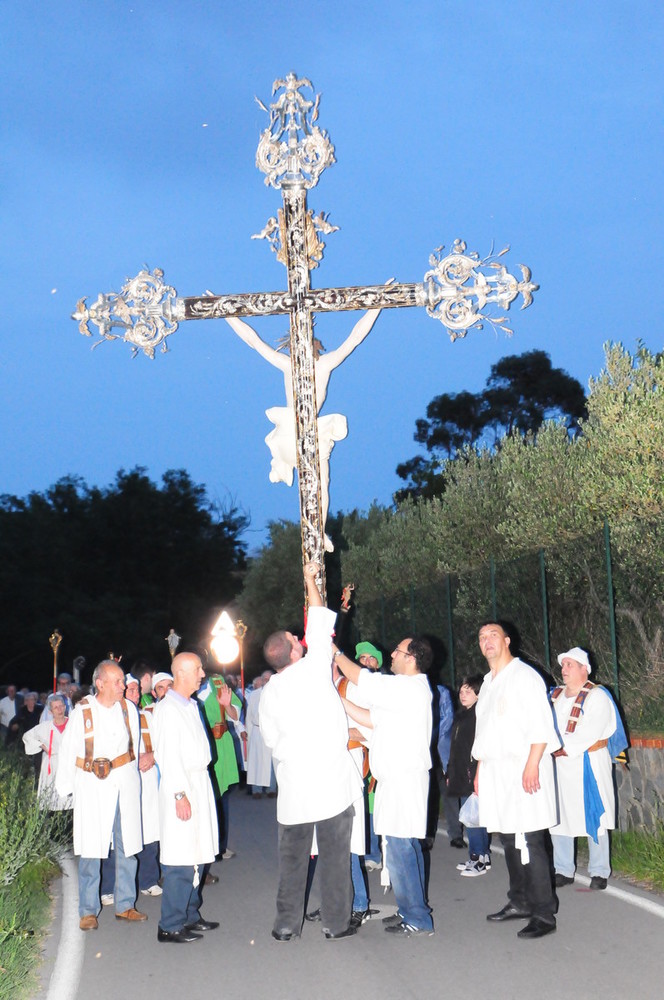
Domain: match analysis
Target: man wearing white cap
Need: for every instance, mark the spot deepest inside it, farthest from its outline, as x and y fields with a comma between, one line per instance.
x=161, y=683
x=586, y=719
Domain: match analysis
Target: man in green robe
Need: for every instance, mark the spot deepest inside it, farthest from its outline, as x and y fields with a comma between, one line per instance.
x=221, y=707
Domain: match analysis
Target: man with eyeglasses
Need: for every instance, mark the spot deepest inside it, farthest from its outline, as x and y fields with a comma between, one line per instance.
x=398, y=714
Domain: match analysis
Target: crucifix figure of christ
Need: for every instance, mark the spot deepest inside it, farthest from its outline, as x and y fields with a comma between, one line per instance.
x=292, y=153
x=331, y=428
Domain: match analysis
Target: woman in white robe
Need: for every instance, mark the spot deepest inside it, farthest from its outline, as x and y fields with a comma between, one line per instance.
x=46, y=738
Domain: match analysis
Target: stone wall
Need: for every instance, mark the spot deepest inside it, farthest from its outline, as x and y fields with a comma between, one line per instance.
x=640, y=789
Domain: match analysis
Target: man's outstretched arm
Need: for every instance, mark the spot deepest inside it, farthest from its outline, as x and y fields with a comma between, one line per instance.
x=348, y=667
x=314, y=598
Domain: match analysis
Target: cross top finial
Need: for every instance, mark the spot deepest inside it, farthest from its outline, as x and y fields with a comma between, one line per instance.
x=292, y=149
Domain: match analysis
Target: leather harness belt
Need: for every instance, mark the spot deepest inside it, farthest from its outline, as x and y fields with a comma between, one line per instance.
x=101, y=767
x=218, y=730
x=598, y=745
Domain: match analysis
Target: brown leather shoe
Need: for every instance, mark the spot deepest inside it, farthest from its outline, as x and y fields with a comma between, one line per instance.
x=88, y=922
x=131, y=914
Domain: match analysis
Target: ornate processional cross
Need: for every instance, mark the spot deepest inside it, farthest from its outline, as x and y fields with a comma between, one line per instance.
x=292, y=153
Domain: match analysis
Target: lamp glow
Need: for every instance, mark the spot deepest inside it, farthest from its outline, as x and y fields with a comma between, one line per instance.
x=224, y=644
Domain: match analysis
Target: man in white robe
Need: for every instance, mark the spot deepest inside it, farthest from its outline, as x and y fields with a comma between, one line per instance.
x=514, y=739
x=399, y=717
x=260, y=773
x=189, y=837
x=303, y=722
x=98, y=764
x=585, y=731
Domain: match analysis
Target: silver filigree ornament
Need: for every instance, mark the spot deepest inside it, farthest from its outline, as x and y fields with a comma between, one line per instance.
x=457, y=289
x=274, y=232
x=292, y=149
x=146, y=310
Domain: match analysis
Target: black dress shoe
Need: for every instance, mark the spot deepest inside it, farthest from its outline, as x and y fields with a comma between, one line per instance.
x=536, y=928
x=350, y=930
x=597, y=882
x=284, y=935
x=509, y=912
x=562, y=880
x=203, y=925
x=457, y=842
x=183, y=936
x=313, y=916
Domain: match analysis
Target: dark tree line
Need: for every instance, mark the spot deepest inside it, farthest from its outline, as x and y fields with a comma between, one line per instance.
x=112, y=569
x=521, y=392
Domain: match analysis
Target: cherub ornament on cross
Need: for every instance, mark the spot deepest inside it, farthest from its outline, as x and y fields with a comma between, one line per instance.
x=292, y=153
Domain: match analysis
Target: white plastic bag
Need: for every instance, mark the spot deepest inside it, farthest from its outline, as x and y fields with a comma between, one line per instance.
x=469, y=814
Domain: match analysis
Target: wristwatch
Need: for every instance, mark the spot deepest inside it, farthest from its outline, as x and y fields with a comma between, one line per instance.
x=180, y=795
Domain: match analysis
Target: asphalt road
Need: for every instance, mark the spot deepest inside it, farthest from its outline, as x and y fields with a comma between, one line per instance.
x=608, y=944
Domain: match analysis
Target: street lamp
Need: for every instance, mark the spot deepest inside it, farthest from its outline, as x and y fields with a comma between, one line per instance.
x=228, y=641
x=224, y=644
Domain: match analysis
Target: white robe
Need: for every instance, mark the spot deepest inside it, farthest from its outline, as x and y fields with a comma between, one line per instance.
x=149, y=792
x=95, y=799
x=304, y=724
x=597, y=722
x=399, y=750
x=358, y=836
x=182, y=751
x=46, y=733
x=259, y=757
x=512, y=713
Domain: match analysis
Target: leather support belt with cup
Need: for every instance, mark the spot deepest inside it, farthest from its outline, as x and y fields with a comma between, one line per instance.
x=101, y=767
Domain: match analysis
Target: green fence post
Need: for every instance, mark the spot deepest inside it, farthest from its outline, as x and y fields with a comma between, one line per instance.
x=545, y=611
x=612, y=609
x=450, y=630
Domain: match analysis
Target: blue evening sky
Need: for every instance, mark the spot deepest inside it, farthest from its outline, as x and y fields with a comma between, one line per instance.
x=518, y=122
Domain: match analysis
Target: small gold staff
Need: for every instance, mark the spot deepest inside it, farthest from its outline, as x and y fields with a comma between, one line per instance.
x=240, y=632
x=54, y=642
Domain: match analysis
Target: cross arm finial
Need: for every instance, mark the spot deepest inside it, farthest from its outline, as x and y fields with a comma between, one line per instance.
x=292, y=149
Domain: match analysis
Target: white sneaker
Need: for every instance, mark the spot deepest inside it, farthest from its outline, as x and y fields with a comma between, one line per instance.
x=463, y=865
x=486, y=858
x=153, y=890
x=107, y=899
x=372, y=866
x=474, y=868
x=228, y=854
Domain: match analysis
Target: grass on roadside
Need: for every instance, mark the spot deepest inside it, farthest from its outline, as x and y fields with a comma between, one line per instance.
x=639, y=856
x=636, y=855
x=25, y=907
x=31, y=841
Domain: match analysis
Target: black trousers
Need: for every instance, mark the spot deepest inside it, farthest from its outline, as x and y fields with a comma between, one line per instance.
x=531, y=886
x=336, y=888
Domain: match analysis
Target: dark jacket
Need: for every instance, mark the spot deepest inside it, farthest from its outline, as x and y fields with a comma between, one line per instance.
x=461, y=769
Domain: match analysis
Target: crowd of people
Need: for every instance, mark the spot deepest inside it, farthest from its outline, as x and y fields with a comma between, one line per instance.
x=146, y=760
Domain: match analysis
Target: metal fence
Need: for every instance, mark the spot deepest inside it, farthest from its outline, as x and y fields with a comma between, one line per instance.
x=601, y=591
